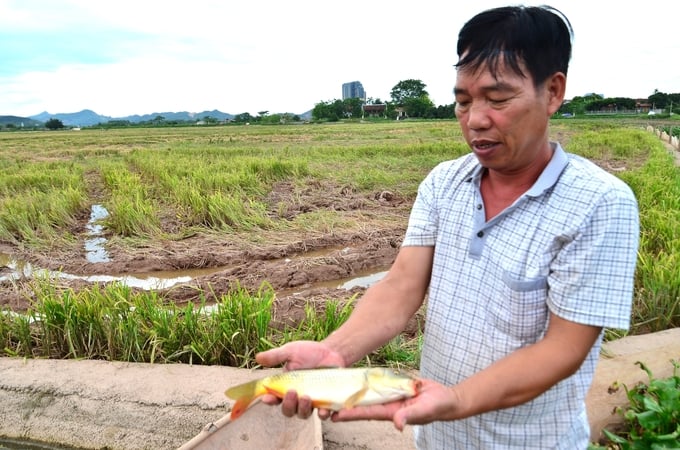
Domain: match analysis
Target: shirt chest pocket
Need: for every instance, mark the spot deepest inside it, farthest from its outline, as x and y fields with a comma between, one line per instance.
x=521, y=309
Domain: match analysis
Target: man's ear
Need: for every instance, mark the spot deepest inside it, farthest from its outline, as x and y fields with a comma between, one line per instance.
x=556, y=86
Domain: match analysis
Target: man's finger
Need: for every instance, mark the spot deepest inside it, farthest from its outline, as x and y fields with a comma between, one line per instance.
x=270, y=399
x=304, y=407
x=375, y=412
x=273, y=357
x=289, y=404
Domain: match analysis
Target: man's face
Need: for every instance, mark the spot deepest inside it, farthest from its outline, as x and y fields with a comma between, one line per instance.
x=504, y=119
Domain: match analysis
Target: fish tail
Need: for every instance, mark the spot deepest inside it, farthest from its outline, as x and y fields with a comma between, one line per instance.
x=244, y=394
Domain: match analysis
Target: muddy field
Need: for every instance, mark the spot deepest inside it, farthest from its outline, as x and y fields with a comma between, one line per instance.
x=299, y=267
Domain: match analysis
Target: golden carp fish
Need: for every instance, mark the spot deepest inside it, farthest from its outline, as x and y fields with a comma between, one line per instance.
x=333, y=389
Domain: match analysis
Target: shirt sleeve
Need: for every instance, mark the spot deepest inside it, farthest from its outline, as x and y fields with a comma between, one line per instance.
x=422, y=224
x=591, y=279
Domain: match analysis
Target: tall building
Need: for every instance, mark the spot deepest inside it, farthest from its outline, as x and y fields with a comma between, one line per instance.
x=353, y=89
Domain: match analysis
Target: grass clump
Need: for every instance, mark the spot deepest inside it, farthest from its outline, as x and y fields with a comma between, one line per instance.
x=656, y=185
x=115, y=323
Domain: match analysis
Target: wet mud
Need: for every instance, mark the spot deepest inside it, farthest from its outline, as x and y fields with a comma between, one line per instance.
x=313, y=266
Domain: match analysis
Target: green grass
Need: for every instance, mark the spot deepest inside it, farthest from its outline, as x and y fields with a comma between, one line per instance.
x=211, y=179
x=657, y=187
x=116, y=324
x=113, y=323
x=218, y=179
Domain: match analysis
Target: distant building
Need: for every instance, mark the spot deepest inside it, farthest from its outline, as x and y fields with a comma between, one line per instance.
x=353, y=89
x=377, y=110
x=642, y=105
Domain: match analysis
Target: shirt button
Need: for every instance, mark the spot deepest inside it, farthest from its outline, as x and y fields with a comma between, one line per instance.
x=479, y=206
x=480, y=233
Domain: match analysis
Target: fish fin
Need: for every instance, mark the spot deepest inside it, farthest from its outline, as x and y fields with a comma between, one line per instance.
x=244, y=394
x=272, y=391
x=356, y=397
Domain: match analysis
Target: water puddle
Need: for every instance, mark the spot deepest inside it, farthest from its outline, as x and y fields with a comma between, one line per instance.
x=11, y=269
x=94, y=244
x=365, y=280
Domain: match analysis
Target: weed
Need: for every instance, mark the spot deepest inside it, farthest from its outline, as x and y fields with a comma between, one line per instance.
x=652, y=418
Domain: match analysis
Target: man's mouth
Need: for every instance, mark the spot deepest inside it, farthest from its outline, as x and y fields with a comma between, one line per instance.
x=483, y=146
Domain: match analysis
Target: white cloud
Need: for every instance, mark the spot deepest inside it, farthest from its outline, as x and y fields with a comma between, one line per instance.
x=130, y=57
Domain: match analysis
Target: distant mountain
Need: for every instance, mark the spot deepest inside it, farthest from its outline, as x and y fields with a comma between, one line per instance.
x=83, y=118
x=87, y=117
x=19, y=122
x=182, y=116
x=307, y=115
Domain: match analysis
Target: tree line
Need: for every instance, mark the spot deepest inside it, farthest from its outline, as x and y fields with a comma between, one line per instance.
x=597, y=103
x=409, y=98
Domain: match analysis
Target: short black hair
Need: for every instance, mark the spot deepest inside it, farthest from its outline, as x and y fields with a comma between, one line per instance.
x=538, y=36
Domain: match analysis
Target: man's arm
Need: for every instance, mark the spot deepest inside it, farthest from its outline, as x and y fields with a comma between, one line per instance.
x=519, y=377
x=380, y=314
x=386, y=307
x=528, y=372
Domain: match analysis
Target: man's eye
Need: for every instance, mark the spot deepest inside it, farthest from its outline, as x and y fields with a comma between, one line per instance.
x=498, y=101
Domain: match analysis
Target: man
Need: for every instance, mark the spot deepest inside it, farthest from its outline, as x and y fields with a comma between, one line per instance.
x=526, y=254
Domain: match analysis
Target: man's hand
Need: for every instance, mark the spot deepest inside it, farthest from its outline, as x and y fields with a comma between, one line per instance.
x=294, y=356
x=433, y=402
x=301, y=355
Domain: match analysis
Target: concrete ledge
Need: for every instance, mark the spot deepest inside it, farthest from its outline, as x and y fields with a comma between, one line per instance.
x=98, y=404
x=261, y=427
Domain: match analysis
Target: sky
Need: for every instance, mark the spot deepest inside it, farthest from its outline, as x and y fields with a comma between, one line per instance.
x=126, y=57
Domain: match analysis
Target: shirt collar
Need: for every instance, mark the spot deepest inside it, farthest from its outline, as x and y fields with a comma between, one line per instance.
x=548, y=177
x=551, y=173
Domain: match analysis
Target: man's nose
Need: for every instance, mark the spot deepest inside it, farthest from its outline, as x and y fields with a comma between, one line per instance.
x=478, y=117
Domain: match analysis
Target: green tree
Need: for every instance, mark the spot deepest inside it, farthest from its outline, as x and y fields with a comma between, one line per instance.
x=412, y=96
x=352, y=107
x=54, y=124
x=374, y=101
x=575, y=106
x=661, y=100
x=117, y=123
x=406, y=89
x=332, y=110
x=419, y=106
x=611, y=104
x=444, y=111
x=243, y=118
x=262, y=114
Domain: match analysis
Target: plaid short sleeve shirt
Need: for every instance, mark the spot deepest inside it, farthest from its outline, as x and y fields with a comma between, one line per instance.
x=568, y=245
